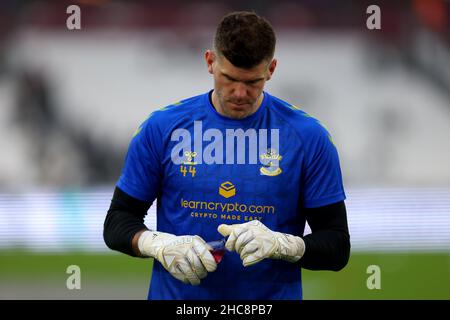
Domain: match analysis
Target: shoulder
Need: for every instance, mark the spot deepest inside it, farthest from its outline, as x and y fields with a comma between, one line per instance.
x=177, y=109
x=160, y=120
x=305, y=126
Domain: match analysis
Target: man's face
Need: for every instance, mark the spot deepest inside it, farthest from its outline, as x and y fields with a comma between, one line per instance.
x=237, y=92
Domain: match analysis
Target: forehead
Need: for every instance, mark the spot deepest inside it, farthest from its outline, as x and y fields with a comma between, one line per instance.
x=227, y=68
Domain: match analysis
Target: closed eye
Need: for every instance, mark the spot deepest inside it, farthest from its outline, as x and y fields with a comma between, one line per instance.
x=248, y=82
x=229, y=78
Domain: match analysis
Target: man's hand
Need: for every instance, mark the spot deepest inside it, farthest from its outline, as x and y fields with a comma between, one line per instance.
x=187, y=258
x=255, y=242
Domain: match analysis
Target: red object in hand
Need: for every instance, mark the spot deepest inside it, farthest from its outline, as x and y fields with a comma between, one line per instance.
x=218, y=254
x=218, y=249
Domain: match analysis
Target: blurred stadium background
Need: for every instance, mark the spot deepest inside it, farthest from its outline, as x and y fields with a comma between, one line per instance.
x=70, y=101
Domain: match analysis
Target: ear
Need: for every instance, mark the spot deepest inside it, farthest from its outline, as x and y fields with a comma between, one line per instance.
x=210, y=58
x=272, y=67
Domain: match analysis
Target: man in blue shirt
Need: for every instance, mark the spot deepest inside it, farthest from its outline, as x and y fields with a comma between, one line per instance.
x=239, y=163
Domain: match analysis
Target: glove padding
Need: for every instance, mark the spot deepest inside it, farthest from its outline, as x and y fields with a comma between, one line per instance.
x=255, y=242
x=187, y=258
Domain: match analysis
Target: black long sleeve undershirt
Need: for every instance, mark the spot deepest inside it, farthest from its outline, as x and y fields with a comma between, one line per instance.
x=125, y=218
x=328, y=244
x=327, y=247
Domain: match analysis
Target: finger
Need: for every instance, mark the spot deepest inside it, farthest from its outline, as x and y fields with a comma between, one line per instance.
x=238, y=230
x=250, y=248
x=196, y=264
x=242, y=240
x=184, y=267
x=252, y=259
x=203, y=253
x=178, y=273
x=225, y=229
x=255, y=223
x=252, y=254
x=264, y=248
x=231, y=240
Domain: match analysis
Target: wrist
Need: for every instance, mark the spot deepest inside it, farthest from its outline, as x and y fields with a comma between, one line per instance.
x=146, y=243
x=290, y=248
x=134, y=243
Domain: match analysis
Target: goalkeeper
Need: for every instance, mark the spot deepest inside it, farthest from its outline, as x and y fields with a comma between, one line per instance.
x=186, y=156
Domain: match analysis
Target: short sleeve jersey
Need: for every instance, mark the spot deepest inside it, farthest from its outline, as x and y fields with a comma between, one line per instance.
x=205, y=169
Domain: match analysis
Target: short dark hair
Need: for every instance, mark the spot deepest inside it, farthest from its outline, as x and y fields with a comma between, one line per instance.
x=245, y=39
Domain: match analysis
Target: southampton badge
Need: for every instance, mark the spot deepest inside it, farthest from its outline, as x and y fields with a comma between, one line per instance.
x=271, y=163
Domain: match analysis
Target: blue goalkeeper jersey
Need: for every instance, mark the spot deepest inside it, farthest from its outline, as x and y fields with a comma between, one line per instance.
x=205, y=169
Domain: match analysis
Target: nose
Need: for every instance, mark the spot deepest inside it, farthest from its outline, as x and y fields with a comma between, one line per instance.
x=240, y=90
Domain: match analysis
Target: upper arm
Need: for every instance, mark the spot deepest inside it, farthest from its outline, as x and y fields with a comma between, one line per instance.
x=124, y=202
x=141, y=174
x=321, y=179
x=329, y=217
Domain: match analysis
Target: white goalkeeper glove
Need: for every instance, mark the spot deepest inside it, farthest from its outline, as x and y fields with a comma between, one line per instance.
x=255, y=242
x=187, y=258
